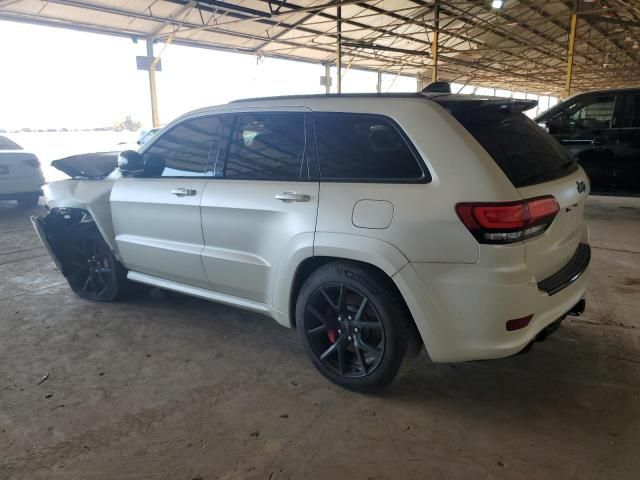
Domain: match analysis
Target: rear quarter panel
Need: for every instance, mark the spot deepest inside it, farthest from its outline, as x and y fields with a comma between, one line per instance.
x=424, y=227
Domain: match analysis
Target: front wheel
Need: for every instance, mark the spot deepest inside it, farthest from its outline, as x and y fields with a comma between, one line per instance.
x=353, y=325
x=91, y=269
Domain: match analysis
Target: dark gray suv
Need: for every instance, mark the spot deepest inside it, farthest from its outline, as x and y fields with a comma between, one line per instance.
x=601, y=131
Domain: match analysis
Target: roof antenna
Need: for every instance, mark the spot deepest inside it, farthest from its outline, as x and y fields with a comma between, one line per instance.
x=437, y=87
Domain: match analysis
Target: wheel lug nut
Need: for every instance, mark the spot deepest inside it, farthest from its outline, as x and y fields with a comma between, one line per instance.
x=349, y=337
x=339, y=332
x=356, y=330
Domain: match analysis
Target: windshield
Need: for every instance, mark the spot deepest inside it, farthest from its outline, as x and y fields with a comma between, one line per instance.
x=524, y=151
x=6, y=144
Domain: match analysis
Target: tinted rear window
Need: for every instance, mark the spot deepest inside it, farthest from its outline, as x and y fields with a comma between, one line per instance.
x=363, y=147
x=524, y=151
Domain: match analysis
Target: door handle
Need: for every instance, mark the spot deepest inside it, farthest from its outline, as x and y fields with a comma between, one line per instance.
x=292, y=197
x=183, y=192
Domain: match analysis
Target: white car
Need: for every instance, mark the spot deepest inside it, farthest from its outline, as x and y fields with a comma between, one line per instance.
x=371, y=223
x=20, y=174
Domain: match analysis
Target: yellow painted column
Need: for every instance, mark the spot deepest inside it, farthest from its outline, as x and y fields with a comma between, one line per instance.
x=570, y=51
x=434, y=45
x=155, y=119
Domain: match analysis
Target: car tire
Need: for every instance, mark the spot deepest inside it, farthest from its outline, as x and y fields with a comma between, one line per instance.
x=354, y=325
x=91, y=268
x=28, y=200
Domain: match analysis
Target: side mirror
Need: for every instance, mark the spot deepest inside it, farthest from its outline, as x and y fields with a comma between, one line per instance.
x=154, y=166
x=130, y=163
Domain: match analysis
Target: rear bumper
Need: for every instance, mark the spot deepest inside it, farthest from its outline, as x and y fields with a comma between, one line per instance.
x=16, y=195
x=569, y=273
x=461, y=310
x=10, y=188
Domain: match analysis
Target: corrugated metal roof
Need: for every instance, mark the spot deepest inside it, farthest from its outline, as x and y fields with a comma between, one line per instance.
x=522, y=46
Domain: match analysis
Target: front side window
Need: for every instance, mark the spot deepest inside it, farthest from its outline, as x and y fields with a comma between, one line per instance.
x=363, y=147
x=591, y=113
x=186, y=150
x=267, y=146
x=632, y=111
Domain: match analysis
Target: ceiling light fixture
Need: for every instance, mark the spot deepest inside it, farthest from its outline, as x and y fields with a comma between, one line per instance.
x=497, y=4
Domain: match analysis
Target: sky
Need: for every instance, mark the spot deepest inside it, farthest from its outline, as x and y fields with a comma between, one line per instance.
x=56, y=78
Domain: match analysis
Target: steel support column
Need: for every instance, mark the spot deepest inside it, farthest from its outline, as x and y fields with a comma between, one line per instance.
x=339, y=50
x=379, y=83
x=327, y=78
x=572, y=42
x=434, y=46
x=155, y=119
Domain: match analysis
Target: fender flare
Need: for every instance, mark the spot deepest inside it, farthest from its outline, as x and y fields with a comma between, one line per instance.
x=372, y=251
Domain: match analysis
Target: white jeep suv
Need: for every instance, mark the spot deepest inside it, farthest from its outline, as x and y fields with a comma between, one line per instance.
x=368, y=222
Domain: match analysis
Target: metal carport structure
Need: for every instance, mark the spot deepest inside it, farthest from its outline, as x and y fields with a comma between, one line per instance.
x=553, y=47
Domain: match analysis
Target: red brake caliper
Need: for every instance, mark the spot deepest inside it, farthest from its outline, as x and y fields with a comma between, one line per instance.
x=332, y=335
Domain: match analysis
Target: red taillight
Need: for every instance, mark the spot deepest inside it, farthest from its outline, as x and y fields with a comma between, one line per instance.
x=32, y=162
x=508, y=222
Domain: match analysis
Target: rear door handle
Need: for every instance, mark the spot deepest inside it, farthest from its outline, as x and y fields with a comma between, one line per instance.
x=183, y=192
x=292, y=197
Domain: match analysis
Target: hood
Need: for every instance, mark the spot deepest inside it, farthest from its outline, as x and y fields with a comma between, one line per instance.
x=88, y=165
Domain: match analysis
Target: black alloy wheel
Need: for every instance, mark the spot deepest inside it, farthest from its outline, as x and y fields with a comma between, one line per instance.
x=344, y=330
x=354, y=325
x=91, y=269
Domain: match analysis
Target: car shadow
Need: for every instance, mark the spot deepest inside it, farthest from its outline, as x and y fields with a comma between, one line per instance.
x=561, y=372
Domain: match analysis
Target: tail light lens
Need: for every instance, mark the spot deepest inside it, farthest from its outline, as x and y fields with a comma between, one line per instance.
x=32, y=162
x=508, y=222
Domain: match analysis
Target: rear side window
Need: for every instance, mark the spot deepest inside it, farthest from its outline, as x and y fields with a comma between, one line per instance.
x=267, y=146
x=186, y=150
x=524, y=151
x=363, y=147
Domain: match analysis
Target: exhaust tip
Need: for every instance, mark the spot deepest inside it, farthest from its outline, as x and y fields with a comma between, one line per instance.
x=578, y=309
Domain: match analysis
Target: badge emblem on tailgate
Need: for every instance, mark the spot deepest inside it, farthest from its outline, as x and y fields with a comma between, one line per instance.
x=581, y=186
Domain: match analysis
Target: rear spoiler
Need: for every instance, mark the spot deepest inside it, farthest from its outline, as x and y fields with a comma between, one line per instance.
x=458, y=106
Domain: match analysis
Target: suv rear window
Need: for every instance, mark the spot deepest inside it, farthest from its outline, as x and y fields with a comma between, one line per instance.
x=525, y=152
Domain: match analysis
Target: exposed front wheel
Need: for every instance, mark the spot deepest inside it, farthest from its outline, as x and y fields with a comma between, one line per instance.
x=91, y=269
x=353, y=325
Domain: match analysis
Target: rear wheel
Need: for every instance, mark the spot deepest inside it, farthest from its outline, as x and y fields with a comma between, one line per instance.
x=28, y=200
x=353, y=325
x=91, y=269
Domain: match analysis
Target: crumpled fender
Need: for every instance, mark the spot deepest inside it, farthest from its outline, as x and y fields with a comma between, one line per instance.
x=90, y=195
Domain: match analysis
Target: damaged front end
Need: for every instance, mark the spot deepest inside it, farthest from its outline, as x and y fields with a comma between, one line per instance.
x=78, y=205
x=53, y=230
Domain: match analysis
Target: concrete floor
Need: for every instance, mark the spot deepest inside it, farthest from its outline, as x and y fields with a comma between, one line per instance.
x=170, y=387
